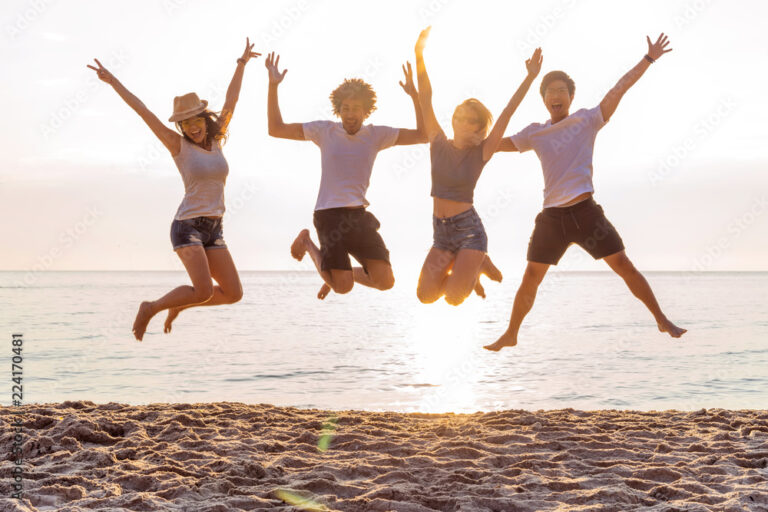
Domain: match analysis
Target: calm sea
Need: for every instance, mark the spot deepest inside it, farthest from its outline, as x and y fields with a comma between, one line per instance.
x=587, y=344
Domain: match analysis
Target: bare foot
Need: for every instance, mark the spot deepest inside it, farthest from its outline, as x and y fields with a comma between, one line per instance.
x=143, y=317
x=670, y=328
x=299, y=246
x=489, y=269
x=172, y=314
x=324, y=291
x=479, y=288
x=506, y=340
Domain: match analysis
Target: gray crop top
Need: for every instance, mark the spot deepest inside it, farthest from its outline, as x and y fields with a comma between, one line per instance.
x=454, y=171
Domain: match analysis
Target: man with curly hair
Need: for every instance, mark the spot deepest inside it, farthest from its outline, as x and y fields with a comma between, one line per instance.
x=348, y=150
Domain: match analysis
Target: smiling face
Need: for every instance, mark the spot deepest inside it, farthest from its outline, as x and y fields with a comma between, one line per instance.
x=352, y=114
x=557, y=99
x=195, y=128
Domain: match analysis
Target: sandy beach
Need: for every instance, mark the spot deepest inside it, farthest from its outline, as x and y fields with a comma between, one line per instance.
x=233, y=456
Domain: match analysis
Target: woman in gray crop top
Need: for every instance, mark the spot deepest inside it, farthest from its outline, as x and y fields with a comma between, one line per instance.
x=459, y=253
x=196, y=231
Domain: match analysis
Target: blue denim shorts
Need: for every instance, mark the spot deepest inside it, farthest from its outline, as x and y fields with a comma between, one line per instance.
x=462, y=231
x=204, y=231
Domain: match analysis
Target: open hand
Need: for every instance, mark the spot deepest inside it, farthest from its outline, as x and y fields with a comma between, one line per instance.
x=408, y=86
x=275, y=76
x=657, y=49
x=533, y=65
x=422, y=41
x=248, y=53
x=102, y=72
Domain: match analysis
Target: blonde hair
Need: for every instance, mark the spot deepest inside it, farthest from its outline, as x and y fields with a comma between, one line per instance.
x=485, y=116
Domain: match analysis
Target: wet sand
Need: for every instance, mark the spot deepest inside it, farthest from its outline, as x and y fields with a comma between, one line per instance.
x=233, y=456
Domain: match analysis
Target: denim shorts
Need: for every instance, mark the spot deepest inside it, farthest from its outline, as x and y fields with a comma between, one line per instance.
x=462, y=231
x=204, y=231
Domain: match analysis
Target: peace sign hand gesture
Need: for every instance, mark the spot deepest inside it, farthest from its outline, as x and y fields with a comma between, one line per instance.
x=247, y=54
x=102, y=72
x=275, y=76
x=408, y=86
x=657, y=49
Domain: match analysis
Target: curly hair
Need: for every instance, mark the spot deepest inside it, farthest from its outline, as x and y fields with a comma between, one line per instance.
x=354, y=88
x=558, y=75
x=482, y=112
x=214, y=128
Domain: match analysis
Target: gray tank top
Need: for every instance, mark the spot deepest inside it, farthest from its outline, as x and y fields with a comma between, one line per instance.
x=204, y=174
x=454, y=171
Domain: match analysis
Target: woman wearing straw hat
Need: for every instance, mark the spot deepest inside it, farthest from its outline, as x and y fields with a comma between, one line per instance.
x=196, y=231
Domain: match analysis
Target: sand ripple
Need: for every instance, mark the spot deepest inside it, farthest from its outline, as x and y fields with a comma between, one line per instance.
x=232, y=456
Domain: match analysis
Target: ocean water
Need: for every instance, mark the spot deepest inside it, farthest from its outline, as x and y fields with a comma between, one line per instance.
x=587, y=344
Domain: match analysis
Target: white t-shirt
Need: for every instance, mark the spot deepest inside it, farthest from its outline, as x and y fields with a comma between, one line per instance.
x=565, y=151
x=346, y=160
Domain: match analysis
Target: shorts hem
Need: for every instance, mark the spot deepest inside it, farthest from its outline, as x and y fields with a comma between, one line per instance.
x=187, y=245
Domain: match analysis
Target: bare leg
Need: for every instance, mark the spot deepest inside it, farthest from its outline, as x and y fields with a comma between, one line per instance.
x=379, y=275
x=463, y=277
x=195, y=261
x=490, y=270
x=336, y=280
x=526, y=295
x=435, y=269
x=640, y=288
x=228, y=291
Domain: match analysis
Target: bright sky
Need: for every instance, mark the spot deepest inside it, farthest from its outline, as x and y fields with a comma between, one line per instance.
x=679, y=169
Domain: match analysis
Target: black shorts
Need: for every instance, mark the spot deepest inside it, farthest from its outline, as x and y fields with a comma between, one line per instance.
x=345, y=232
x=583, y=223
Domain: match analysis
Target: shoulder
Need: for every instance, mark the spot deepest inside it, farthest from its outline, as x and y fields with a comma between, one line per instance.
x=589, y=113
x=593, y=115
x=319, y=125
x=379, y=129
x=531, y=128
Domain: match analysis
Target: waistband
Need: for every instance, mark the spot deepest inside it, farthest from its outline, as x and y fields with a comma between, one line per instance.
x=341, y=209
x=565, y=210
x=202, y=218
x=456, y=218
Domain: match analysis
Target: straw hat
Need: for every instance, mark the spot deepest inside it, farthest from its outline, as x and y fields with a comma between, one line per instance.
x=186, y=106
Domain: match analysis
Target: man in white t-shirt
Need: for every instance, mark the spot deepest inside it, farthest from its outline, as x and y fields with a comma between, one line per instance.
x=348, y=150
x=564, y=145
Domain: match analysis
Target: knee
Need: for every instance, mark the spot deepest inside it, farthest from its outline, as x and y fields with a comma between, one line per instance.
x=454, y=299
x=343, y=286
x=532, y=277
x=426, y=296
x=624, y=266
x=236, y=295
x=387, y=282
x=203, y=293
x=455, y=296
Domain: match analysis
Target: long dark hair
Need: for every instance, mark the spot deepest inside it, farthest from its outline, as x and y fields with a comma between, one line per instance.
x=214, y=128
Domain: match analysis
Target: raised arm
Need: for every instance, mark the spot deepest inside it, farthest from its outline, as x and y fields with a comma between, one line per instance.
x=233, y=91
x=169, y=138
x=276, y=126
x=491, y=143
x=431, y=126
x=417, y=136
x=611, y=100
